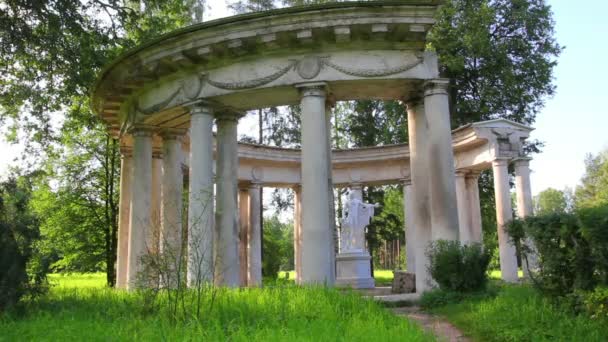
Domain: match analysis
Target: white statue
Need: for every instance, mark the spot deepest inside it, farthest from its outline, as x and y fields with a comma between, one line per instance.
x=356, y=216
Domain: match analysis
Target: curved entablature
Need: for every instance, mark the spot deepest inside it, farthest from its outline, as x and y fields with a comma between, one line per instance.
x=358, y=50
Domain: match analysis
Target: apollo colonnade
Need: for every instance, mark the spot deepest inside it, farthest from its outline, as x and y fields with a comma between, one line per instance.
x=163, y=99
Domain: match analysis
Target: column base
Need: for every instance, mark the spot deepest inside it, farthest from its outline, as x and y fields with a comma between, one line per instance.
x=353, y=270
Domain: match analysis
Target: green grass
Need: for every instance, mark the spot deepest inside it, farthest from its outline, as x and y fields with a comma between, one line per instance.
x=78, y=280
x=80, y=308
x=519, y=313
x=496, y=274
x=382, y=277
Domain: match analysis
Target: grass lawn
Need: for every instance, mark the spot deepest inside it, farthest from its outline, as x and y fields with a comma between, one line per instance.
x=519, y=313
x=80, y=308
x=382, y=277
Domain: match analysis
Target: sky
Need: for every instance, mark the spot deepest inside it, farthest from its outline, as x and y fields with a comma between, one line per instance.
x=573, y=123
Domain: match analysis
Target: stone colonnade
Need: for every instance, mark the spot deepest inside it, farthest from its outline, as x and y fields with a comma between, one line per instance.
x=223, y=233
x=223, y=224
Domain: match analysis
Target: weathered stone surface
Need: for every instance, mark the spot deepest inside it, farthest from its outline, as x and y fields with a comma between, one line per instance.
x=404, y=282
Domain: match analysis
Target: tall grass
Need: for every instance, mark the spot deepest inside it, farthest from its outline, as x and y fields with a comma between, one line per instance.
x=519, y=313
x=281, y=313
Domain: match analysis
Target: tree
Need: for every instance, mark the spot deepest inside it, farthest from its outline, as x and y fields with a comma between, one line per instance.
x=23, y=271
x=593, y=190
x=499, y=56
x=51, y=54
x=550, y=201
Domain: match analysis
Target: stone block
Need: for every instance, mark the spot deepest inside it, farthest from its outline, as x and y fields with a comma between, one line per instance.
x=404, y=282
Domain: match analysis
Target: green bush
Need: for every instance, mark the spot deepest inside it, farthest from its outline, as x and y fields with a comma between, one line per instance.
x=572, y=249
x=22, y=271
x=596, y=303
x=456, y=267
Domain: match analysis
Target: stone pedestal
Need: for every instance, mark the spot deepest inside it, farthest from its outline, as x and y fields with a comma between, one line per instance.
x=353, y=270
x=404, y=282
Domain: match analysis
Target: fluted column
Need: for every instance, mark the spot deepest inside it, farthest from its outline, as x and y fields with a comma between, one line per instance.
x=522, y=187
x=226, y=215
x=124, y=205
x=472, y=180
x=444, y=211
x=525, y=206
x=297, y=232
x=171, y=205
x=330, y=188
x=244, y=222
x=140, y=237
x=157, y=168
x=504, y=215
x=200, y=205
x=410, y=240
x=254, y=248
x=421, y=206
x=464, y=211
x=317, y=235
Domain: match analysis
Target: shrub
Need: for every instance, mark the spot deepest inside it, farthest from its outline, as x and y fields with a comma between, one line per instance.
x=572, y=249
x=457, y=267
x=22, y=272
x=596, y=303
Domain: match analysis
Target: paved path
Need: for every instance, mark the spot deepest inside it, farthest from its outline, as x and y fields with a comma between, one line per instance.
x=443, y=329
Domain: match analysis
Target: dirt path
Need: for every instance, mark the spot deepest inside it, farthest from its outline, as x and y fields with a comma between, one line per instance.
x=443, y=329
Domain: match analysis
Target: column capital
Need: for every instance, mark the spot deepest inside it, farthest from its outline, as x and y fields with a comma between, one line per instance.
x=157, y=154
x=228, y=115
x=407, y=181
x=126, y=151
x=356, y=186
x=500, y=161
x=473, y=174
x=201, y=108
x=318, y=89
x=413, y=102
x=172, y=133
x=254, y=185
x=437, y=86
x=522, y=161
x=461, y=173
x=142, y=130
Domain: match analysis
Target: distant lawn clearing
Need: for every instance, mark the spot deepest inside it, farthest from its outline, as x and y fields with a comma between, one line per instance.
x=80, y=308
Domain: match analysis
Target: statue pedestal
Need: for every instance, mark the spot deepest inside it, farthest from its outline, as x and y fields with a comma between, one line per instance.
x=353, y=270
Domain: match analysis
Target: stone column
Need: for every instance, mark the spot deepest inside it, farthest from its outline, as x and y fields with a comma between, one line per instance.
x=157, y=169
x=126, y=178
x=472, y=180
x=522, y=187
x=504, y=214
x=200, y=206
x=171, y=206
x=226, y=216
x=254, y=248
x=317, y=236
x=525, y=206
x=141, y=207
x=444, y=211
x=243, y=234
x=330, y=188
x=410, y=240
x=421, y=210
x=464, y=211
x=297, y=232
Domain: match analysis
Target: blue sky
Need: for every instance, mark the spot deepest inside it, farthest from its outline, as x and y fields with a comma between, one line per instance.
x=573, y=123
